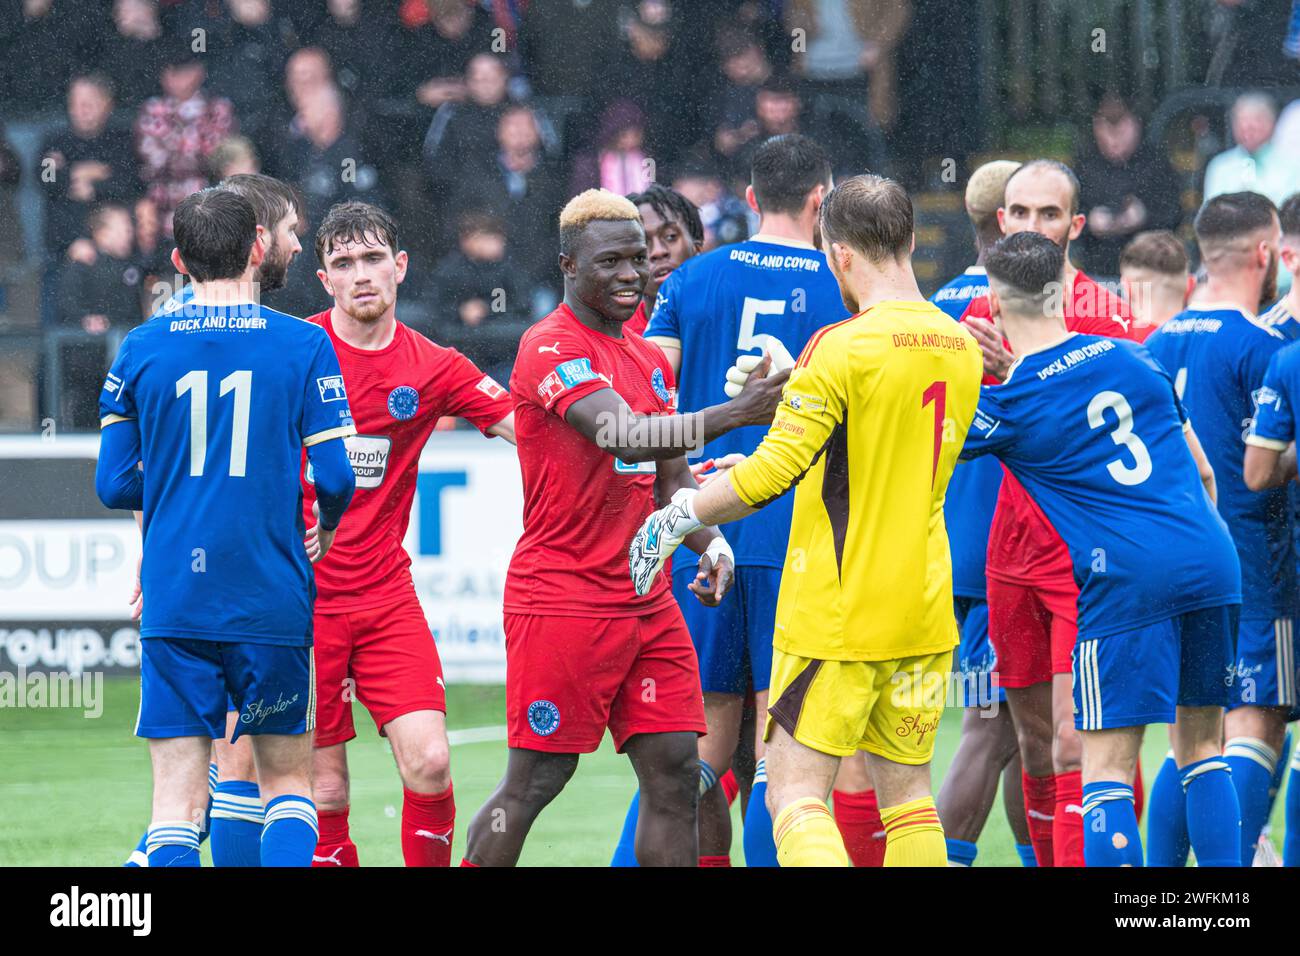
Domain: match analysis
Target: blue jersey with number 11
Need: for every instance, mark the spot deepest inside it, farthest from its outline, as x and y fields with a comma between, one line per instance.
x=734, y=301
x=226, y=398
x=1093, y=429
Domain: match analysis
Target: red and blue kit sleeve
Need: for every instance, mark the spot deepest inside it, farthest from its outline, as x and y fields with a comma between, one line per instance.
x=554, y=374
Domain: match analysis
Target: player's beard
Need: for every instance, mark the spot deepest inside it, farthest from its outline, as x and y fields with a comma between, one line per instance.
x=1268, y=294
x=371, y=309
x=271, y=274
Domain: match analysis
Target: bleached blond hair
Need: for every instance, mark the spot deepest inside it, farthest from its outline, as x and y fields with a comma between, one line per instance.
x=594, y=205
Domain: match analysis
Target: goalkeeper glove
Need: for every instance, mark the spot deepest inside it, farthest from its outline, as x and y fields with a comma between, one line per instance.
x=659, y=537
x=739, y=373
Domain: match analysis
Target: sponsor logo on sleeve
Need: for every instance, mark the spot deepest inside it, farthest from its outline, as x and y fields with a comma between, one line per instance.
x=549, y=388
x=403, y=402
x=490, y=387
x=331, y=388
x=1264, y=395
x=984, y=423
x=805, y=403
x=575, y=372
x=112, y=384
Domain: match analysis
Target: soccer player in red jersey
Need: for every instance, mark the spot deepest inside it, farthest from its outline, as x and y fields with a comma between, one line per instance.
x=1154, y=274
x=1032, y=596
x=372, y=640
x=673, y=233
x=598, y=446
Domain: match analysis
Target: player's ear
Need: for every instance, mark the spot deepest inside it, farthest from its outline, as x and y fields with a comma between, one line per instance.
x=752, y=200
x=995, y=307
x=568, y=266
x=325, y=281
x=401, y=260
x=1002, y=220
x=1076, y=225
x=1191, y=287
x=179, y=263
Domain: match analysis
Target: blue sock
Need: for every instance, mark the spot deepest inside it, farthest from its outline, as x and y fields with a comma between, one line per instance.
x=1291, y=846
x=1252, y=762
x=1026, y=851
x=237, y=820
x=625, y=852
x=173, y=844
x=961, y=852
x=1213, y=818
x=1110, y=826
x=760, y=845
x=140, y=855
x=1167, y=839
x=290, y=833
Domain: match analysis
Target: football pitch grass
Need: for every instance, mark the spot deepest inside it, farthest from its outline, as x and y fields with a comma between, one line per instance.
x=75, y=791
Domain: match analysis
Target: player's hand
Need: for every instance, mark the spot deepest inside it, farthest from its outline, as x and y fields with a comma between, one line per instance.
x=745, y=365
x=137, y=595
x=720, y=467
x=659, y=536
x=318, y=539
x=760, y=394
x=997, y=360
x=714, y=578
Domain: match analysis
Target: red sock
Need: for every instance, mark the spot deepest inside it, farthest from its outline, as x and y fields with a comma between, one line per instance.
x=333, y=846
x=472, y=866
x=1139, y=792
x=730, y=786
x=428, y=821
x=1067, y=827
x=858, y=817
x=1040, y=808
x=715, y=861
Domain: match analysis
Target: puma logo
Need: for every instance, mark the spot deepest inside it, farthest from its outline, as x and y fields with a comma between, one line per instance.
x=332, y=858
x=442, y=837
x=549, y=348
x=1123, y=322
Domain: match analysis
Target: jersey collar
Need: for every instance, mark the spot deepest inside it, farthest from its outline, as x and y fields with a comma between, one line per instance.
x=1222, y=307
x=1038, y=351
x=781, y=241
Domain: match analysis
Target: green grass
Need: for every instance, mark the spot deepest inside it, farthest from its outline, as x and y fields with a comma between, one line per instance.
x=75, y=791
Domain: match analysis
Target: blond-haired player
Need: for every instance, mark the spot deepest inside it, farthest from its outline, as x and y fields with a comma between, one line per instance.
x=869, y=428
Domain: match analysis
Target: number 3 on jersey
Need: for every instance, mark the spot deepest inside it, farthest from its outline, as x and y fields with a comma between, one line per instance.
x=196, y=383
x=1123, y=436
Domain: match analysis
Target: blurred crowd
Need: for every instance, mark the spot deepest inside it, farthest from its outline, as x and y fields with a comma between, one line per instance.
x=473, y=122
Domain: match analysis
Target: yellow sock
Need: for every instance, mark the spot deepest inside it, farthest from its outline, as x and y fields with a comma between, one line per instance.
x=914, y=834
x=806, y=835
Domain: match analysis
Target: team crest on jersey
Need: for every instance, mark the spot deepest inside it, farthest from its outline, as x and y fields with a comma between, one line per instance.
x=403, y=402
x=659, y=385
x=543, y=717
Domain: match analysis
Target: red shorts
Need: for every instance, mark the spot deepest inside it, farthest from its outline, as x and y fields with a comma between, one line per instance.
x=568, y=678
x=1032, y=629
x=382, y=656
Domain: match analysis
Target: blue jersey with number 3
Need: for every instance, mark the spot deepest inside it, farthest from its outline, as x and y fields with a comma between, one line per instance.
x=730, y=302
x=226, y=398
x=1093, y=429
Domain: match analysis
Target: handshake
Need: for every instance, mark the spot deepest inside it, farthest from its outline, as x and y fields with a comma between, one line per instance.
x=739, y=373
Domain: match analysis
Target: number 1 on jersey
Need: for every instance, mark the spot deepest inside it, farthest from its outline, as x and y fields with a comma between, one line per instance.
x=937, y=393
x=196, y=383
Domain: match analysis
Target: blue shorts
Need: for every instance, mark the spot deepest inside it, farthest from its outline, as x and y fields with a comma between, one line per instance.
x=733, y=640
x=187, y=685
x=1266, y=664
x=974, y=663
x=1141, y=676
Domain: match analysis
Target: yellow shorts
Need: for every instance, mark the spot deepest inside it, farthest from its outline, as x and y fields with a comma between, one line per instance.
x=889, y=708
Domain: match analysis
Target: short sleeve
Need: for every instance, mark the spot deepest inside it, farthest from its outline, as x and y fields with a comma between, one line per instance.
x=469, y=393
x=117, y=397
x=1150, y=361
x=325, y=410
x=663, y=322
x=990, y=431
x=555, y=370
x=1274, y=425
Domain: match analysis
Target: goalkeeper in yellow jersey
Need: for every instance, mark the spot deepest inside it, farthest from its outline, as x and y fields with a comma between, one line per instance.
x=869, y=427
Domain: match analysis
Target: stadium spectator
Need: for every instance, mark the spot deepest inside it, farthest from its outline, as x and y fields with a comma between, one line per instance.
x=726, y=218
x=50, y=41
x=246, y=56
x=440, y=38
x=461, y=137
x=732, y=109
x=1254, y=164
x=233, y=156
x=360, y=47
x=480, y=305
x=1127, y=186
x=307, y=70
x=177, y=131
x=566, y=47
x=654, y=75
x=88, y=162
x=93, y=299
x=130, y=52
x=619, y=161
x=523, y=188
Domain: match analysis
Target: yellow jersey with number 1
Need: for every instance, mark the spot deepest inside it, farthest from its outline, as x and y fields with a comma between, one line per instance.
x=869, y=426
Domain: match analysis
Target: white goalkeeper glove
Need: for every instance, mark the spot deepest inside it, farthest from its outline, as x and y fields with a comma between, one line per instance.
x=739, y=373
x=659, y=536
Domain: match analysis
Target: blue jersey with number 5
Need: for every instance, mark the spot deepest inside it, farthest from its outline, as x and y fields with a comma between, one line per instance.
x=733, y=301
x=1093, y=429
x=226, y=398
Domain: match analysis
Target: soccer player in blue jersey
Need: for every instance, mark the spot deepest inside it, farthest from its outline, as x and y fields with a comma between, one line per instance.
x=768, y=294
x=1270, y=462
x=1093, y=429
x=1285, y=313
x=988, y=747
x=1217, y=354
x=205, y=414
